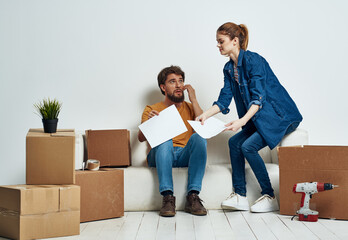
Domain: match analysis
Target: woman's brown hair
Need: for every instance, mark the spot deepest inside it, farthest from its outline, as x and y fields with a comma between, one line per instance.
x=233, y=30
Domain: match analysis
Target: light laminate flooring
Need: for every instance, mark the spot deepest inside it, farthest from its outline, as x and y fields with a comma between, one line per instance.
x=218, y=224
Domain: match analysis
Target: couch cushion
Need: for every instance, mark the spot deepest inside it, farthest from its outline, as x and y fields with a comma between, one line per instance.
x=141, y=186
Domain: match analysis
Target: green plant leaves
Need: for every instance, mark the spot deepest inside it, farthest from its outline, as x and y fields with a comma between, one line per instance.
x=48, y=109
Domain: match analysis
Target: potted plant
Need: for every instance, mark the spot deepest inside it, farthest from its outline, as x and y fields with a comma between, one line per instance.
x=49, y=110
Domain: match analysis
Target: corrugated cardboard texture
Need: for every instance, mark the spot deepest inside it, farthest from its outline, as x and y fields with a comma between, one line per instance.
x=31, y=212
x=69, y=198
x=327, y=164
x=50, y=158
x=110, y=147
x=39, y=226
x=29, y=199
x=102, y=194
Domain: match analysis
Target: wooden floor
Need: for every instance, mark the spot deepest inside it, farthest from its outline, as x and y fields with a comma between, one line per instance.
x=218, y=224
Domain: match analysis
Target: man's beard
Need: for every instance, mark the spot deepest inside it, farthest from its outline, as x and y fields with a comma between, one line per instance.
x=176, y=99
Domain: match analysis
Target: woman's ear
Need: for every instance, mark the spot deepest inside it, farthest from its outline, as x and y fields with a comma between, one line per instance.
x=235, y=41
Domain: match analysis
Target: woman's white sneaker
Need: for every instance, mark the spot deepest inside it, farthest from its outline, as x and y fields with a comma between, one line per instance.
x=235, y=202
x=265, y=203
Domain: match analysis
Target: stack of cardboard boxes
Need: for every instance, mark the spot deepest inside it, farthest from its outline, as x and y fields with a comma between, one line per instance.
x=102, y=192
x=53, y=203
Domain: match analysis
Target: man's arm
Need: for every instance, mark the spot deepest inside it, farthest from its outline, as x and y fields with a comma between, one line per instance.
x=151, y=114
x=192, y=97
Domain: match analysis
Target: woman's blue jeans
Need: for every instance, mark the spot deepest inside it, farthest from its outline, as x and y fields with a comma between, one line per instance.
x=245, y=145
x=194, y=156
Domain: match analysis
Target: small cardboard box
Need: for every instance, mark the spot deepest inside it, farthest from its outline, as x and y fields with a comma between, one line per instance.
x=110, y=147
x=102, y=194
x=50, y=157
x=38, y=211
x=326, y=164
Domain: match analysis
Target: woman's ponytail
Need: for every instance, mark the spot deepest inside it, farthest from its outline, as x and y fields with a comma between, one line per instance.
x=244, y=38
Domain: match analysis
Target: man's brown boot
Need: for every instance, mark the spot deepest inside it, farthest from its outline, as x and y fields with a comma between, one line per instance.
x=194, y=205
x=168, y=206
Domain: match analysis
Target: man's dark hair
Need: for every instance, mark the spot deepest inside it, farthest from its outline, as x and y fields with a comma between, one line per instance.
x=162, y=76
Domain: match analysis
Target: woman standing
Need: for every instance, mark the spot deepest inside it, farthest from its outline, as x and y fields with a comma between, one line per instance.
x=265, y=109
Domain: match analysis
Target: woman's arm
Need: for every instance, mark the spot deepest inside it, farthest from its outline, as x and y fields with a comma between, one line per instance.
x=207, y=114
x=237, y=124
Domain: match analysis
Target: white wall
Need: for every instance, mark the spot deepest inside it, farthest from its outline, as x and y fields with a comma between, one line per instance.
x=101, y=59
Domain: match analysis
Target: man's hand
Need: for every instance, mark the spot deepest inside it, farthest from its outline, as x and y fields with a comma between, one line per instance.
x=192, y=97
x=152, y=114
x=235, y=125
x=191, y=93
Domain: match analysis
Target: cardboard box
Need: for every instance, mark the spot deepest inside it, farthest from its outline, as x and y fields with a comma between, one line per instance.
x=38, y=211
x=50, y=157
x=102, y=194
x=327, y=164
x=110, y=147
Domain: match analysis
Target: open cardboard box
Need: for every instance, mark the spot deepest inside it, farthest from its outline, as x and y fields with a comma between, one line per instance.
x=327, y=164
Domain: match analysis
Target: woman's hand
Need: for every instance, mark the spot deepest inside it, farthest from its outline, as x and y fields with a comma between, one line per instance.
x=207, y=114
x=152, y=114
x=202, y=118
x=235, y=125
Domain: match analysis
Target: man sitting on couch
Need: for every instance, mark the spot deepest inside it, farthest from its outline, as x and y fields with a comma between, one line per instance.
x=186, y=150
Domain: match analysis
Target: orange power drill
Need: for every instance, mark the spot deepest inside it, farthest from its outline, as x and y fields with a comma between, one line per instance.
x=308, y=189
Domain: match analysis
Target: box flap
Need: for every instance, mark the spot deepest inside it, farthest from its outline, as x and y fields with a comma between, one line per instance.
x=110, y=147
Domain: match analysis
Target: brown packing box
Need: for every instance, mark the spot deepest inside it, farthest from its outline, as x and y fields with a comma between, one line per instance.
x=39, y=211
x=102, y=194
x=110, y=147
x=50, y=157
x=326, y=164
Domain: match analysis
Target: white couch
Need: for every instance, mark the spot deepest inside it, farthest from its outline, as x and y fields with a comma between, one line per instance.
x=141, y=182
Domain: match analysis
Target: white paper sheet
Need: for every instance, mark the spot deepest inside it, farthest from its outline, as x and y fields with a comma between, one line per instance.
x=212, y=127
x=167, y=125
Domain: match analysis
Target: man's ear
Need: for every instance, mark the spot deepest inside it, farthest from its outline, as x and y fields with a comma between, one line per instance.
x=163, y=87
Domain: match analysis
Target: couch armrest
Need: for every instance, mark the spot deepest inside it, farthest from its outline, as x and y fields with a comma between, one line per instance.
x=297, y=137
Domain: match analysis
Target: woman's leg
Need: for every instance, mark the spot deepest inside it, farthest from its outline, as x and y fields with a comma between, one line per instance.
x=250, y=149
x=238, y=161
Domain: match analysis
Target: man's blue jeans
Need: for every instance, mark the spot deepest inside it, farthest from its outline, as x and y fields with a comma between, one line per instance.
x=245, y=145
x=194, y=156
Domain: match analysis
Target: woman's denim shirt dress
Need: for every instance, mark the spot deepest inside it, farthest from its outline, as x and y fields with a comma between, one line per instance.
x=258, y=85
